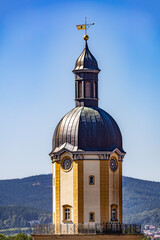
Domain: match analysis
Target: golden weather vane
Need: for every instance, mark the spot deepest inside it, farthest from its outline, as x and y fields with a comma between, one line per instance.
x=84, y=27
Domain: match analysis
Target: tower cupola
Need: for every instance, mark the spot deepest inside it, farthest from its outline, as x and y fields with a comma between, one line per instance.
x=87, y=154
x=86, y=78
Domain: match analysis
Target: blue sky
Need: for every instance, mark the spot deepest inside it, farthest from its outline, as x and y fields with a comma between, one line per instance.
x=39, y=45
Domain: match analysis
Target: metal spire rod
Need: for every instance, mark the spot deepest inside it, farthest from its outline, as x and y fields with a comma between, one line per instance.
x=87, y=25
x=84, y=26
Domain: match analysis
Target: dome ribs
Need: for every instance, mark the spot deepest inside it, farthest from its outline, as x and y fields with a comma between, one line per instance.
x=74, y=129
x=68, y=126
x=89, y=129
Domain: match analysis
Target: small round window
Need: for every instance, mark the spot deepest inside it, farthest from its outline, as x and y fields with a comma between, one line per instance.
x=66, y=164
x=113, y=164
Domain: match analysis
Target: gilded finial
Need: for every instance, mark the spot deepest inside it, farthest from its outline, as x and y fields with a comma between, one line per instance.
x=86, y=37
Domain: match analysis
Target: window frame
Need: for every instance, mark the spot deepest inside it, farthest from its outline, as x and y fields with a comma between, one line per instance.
x=67, y=207
x=80, y=89
x=90, y=216
x=92, y=176
x=114, y=208
x=87, y=89
x=113, y=170
x=63, y=159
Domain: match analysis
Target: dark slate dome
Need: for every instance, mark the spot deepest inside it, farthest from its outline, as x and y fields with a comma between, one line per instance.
x=86, y=61
x=89, y=129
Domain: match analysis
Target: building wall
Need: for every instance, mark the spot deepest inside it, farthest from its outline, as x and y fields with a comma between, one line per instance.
x=54, y=197
x=104, y=190
x=66, y=191
x=91, y=192
x=80, y=191
x=114, y=197
x=73, y=188
x=120, y=193
x=66, y=188
x=57, y=192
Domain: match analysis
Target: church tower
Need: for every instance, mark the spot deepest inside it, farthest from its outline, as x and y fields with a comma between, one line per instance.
x=87, y=156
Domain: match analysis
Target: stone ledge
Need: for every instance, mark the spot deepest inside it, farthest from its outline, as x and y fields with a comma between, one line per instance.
x=88, y=237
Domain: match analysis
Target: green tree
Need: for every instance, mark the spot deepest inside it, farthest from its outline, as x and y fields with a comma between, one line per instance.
x=21, y=236
x=2, y=237
x=11, y=238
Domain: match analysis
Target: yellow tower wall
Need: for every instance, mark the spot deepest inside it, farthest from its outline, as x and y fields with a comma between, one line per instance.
x=104, y=190
x=72, y=188
x=115, y=188
x=80, y=191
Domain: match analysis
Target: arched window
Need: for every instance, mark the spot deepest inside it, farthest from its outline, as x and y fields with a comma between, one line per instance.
x=79, y=89
x=114, y=212
x=66, y=213
x=91, y=217
x=95, y=89
x=87, y=89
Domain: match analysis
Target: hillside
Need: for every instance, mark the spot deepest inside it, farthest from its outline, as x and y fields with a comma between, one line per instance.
x=17, y=216
x=140, y=195
x=141, y=200
x=34, y=192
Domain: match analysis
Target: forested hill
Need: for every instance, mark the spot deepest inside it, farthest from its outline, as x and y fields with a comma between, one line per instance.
x=141, y=199
x=35, y=192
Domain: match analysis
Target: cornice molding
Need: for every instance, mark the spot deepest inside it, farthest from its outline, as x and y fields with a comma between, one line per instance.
x=82, y=155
